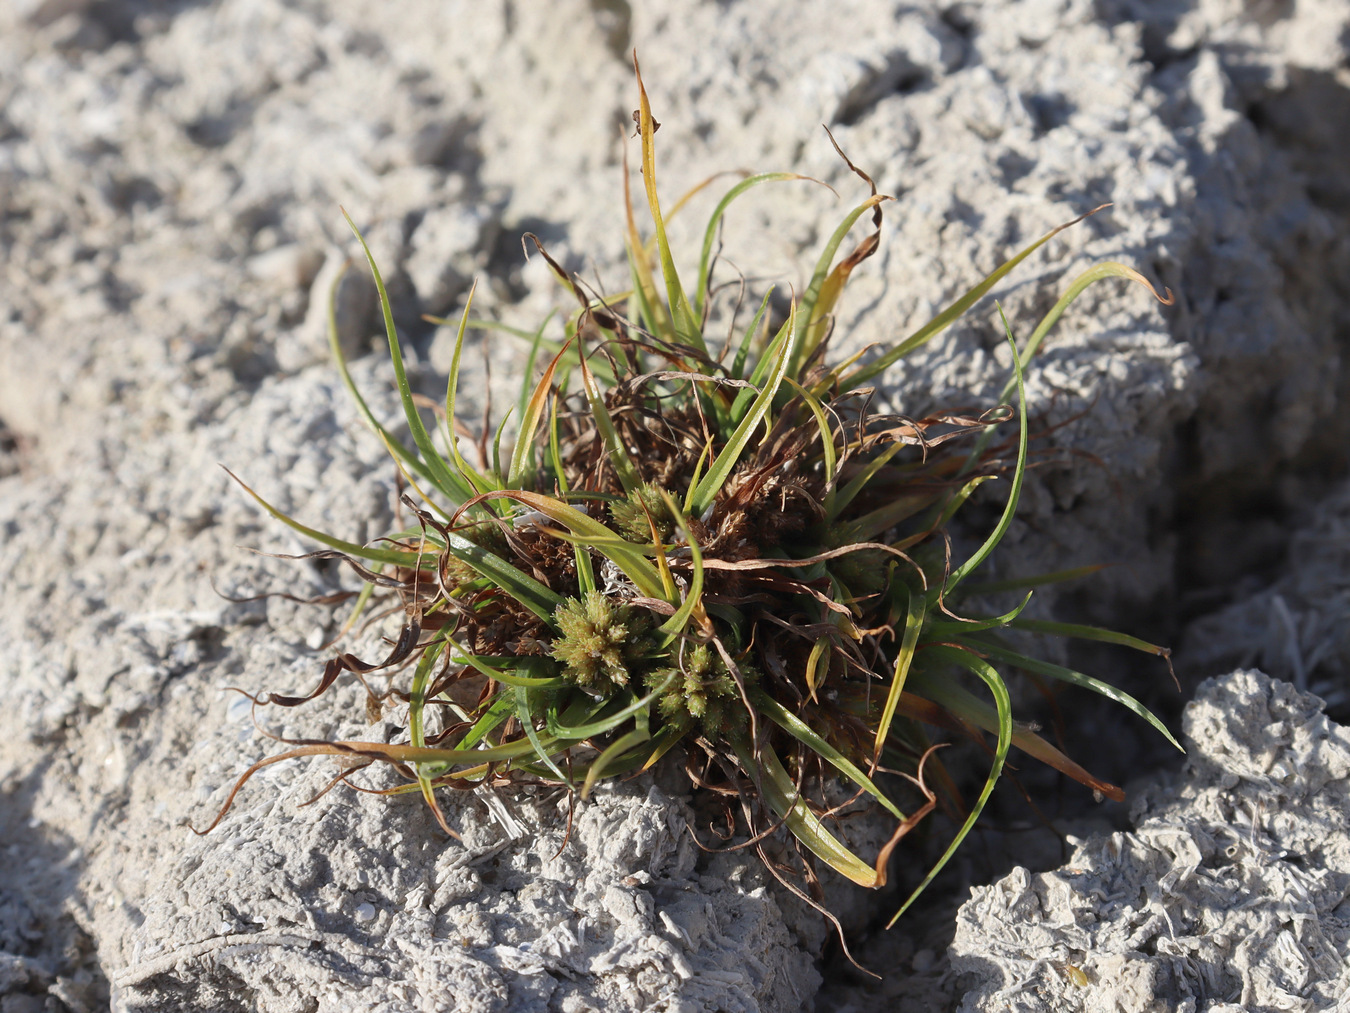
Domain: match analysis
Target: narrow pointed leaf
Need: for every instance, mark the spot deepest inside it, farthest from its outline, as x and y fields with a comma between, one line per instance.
x=687, y=327
x=838, y=499
x=693, y=600
x=776, y=787
x=522, y=458
x=525, y=715
x=953, y=312
x=730, y=455
x=392, y=556
x=805, y=734
x=1080, y=632
x=618, y=456
x=1004, y=654
x=611, y=753
x=982, y=553
x=939, y=630
x=539, y=599
x=967, y=707
x=499, y=674
x=763, y=368
x=663, y=742
x=610, y=722
x=1040, y=580
x=452, y=485
x=813, y=307
x=999, y=690
x=396, y=447
x=904, y=658
x=1098, y=272
x=743, y=350
x=710, y=233
x=883, y=518
x=536, y=344
x=627, y=556
x=498, y=711
x=828, y=450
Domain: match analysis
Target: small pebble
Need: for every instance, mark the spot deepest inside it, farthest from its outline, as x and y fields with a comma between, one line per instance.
x=240, y=709
x=365, y=913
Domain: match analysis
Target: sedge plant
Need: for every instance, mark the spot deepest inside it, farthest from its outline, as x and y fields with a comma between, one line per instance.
x=718, y=550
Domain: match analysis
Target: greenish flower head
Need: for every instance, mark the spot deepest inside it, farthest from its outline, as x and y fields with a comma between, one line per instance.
x=632, y=512
x=601, y=644
x=702, y=693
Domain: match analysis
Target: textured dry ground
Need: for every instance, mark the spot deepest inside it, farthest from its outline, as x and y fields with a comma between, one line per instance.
x=170, y=176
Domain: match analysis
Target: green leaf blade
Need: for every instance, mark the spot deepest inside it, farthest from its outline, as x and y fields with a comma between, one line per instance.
x=1003, y=701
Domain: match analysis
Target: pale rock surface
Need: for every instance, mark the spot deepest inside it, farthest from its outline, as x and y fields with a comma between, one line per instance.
x=1297, y=627
x=1231, y=893
x=170, y=175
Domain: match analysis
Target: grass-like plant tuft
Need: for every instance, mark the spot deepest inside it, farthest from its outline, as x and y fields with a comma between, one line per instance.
x=716, y=548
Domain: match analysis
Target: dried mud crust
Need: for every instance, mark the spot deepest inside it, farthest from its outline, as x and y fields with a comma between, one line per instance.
x=1296, y=627
x=169, y=179
x=340, y=909
x=1231, y=893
